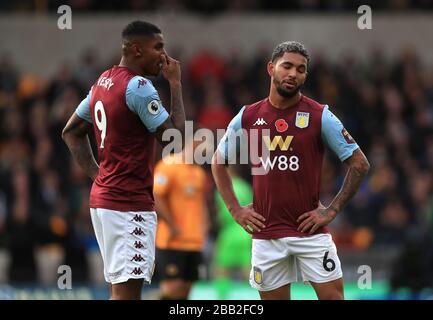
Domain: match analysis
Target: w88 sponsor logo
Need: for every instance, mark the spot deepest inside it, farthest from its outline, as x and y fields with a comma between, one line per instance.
x=281, y=163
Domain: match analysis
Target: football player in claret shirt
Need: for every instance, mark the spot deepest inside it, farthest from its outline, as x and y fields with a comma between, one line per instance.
x=125, y=112
x=286, y=218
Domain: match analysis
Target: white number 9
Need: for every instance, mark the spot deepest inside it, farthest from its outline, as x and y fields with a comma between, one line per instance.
x=101, y=123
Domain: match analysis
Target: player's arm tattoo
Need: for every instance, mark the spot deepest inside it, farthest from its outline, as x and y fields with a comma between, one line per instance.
x=358, y=169
x=177, y=112
x=176, y=120
x=75, y=135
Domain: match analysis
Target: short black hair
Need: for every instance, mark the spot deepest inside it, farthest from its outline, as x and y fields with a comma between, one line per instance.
x=139, y=28
x=290, y=46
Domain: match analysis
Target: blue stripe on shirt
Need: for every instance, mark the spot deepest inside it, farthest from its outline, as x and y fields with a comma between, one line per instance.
x=83, y=109
x=229, y=146
x=332, y=135
x=143, y=99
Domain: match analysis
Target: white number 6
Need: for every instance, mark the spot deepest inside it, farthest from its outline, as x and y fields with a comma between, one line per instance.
x=101, y=123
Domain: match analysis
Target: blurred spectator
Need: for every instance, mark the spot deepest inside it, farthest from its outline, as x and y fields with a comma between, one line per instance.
x=8, y=75
x=88, y=71
x=214, y=114
x=204, y=66
x=214, y=7
x=20, y=229
x=412, y=268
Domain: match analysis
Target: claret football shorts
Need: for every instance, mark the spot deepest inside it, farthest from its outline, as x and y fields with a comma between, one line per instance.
x=127, y=243
x=276, y=262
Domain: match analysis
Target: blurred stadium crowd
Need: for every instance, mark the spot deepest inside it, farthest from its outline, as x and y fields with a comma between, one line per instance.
x=386, y=104
x=213, y=6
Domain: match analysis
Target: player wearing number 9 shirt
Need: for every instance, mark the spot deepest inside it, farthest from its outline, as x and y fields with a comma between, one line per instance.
x=126, y=114
x=286, y=218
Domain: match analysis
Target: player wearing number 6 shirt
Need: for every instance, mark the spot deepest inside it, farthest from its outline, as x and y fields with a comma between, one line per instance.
x=126, y=114
x=286, y=219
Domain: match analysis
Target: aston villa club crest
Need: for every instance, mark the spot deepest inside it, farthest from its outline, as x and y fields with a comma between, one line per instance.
x=302, y=119
x=258, y=278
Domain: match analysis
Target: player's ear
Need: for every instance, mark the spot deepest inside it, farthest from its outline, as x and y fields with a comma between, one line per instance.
x=270, y=68
x=137, y=50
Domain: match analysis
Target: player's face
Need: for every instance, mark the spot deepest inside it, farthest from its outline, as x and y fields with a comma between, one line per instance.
x=152, y=49
x=288, y=73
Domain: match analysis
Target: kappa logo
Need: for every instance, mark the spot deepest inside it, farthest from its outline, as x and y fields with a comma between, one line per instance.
x=138, y=245
x=137, y=271
x=137, y=231
x=141, y=82
x=138, y=218
x=259, y=122
x=137, y=257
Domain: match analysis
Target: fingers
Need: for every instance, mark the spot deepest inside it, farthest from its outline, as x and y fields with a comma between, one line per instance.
x=314, y=228
x=250, y=220
x=248, y=229
x=255, y=220
x=306, y=224
x=256, y=224
x=255, y=214
x=303, y=216
x=251, y=225
x=171, y=60
x=167, y=60
x=259, y=217
x=164, y=60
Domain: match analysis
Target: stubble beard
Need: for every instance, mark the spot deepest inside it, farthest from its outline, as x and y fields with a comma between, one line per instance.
x=284, y=92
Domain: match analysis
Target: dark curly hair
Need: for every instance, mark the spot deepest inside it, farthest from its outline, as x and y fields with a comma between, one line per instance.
x=290, y=46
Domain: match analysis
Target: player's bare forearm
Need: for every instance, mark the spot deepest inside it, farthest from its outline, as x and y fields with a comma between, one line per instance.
x=82, y=153
x=176, y=120
x=223, y=182
x=171, y=72
x=310, y=221
x=358, y=169
x=245, y=216
x=177, y=113
x=75, y=135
